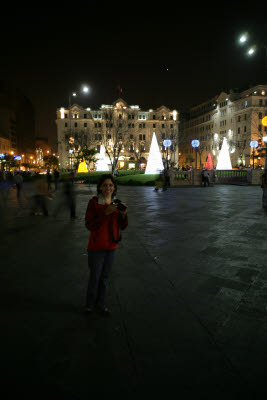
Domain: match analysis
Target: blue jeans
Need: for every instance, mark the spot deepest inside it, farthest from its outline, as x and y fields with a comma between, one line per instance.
x=99, y=263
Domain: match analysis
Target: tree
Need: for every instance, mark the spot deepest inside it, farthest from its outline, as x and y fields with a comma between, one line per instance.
x=114, y=132
x=172, y=134
x=50, y=161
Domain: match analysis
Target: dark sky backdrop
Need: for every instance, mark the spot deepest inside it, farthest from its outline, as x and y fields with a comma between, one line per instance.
x=51, y=53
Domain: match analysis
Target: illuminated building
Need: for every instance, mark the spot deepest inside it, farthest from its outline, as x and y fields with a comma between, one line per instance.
x=235, y=115
x=79, y=127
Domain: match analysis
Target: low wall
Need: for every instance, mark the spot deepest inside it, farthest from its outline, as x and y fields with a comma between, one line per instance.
x=256, y=176
x=193, y=177
x=188, y=178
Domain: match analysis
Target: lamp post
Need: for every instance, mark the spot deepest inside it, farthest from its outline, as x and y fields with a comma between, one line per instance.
x=167, y=143
x=253, y=144
x=85, y=90
x=195, y=143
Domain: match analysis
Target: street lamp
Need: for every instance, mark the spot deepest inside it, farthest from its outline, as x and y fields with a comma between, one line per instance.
x=167, y=143
x=195, y=143
x=85, y=90
x=253, y=144
x=251, y=49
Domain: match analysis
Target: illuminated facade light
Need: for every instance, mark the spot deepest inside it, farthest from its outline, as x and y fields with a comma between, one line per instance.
x=62, y=112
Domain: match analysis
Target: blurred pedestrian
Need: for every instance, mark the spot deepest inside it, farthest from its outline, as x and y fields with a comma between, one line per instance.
x=56, y=178
x=48, y=179
x=66, y=197
x=166, y=176
x=39, y=197
x=105, y=216
x=18, y=180
x=264, y=189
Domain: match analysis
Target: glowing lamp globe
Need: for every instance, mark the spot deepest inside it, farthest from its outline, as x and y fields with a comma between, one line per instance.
x=254, y=143
x=264, y=139
x=167, y=143
x=195, y=143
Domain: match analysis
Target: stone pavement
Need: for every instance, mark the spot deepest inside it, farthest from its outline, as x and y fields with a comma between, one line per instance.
x=187, y=293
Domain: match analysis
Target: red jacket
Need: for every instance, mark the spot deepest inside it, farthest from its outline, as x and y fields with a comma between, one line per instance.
x=99, y=225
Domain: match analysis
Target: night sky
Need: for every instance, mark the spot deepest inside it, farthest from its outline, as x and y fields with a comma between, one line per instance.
x=159, y=55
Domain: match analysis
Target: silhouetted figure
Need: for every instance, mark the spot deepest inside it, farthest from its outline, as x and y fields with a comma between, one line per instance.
x=66, y=197
x=56, y=178
x=18, y=180
x=264, y=189
x=39, y=197
x=48, y=179
x=166, y=176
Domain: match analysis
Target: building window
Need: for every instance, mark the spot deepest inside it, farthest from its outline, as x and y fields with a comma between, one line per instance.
x=154, y=125
x=85, y=116
x=75, y=125
x=85, y=124
x=140, y=137
x=66, y=124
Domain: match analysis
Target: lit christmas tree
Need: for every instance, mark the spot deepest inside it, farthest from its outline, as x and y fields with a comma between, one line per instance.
x=224, y=161
x=154, y=162
x=82, y=166
x=102, y=164
x=209, y=163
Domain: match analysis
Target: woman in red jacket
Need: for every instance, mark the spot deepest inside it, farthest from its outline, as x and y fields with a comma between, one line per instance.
x=103, y=219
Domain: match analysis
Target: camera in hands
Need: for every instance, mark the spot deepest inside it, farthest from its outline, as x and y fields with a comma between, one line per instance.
x=120, y=206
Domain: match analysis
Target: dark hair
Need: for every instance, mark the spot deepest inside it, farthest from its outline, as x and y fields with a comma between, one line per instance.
x=102, y=178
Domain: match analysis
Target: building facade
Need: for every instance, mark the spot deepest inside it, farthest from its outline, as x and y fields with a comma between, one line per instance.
x=235, y=115
x=117, y=126
x=17, y=121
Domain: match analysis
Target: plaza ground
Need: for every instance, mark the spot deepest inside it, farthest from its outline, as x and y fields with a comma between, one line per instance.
x=187, y=294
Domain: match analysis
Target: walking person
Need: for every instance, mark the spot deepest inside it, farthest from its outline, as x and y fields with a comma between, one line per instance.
x=264, y=189
x=48, y=179
x=105, y=216
x=66, y=198
x=166, y=174
x=18, y=182
x=56, y=178
x=40, y=194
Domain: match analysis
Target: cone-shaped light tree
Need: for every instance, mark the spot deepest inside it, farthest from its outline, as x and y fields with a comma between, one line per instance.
x=154, y=162
x=209, y=163
x=102, y=164
x=224, y=161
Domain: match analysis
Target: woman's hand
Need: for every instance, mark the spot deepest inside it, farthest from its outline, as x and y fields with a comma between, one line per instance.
x=110, y=209
x=123, y=213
